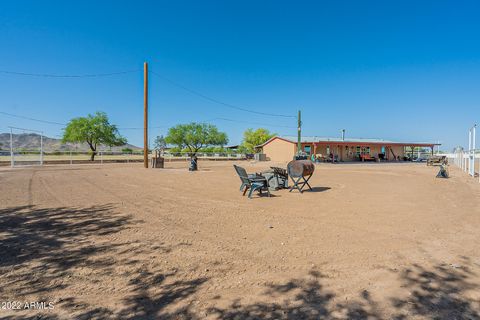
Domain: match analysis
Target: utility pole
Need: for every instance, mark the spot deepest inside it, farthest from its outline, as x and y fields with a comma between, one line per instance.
x=145, y=114
x=299, y=142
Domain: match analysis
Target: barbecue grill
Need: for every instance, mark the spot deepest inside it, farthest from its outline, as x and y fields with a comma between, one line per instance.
x=300, y=171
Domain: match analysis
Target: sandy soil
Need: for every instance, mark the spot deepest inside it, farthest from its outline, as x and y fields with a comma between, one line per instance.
x=374, y=241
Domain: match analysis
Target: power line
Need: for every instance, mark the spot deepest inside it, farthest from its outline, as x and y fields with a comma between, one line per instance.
x=49, y=75
x=64, y=124
x=250, y=122
x=201, y=95
x=32, y=119
x=141, y=128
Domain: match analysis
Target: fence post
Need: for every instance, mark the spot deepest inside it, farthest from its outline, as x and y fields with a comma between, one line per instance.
x=101, y=157
x=71, y=158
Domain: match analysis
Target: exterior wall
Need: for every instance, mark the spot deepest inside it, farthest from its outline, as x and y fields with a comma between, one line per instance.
x=321, y=150
x=279, y=150
x=349, y=152
x=284, y=151
x=398, y=150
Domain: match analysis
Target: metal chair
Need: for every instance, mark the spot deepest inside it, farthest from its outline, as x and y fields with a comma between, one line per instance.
x=252, y=182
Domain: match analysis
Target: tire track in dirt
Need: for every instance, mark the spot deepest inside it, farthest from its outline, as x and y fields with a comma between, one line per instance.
x=50, y=192
x=232, y=255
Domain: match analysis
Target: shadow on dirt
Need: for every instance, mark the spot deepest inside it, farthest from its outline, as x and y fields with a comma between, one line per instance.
x=41, y=246
x=438, y=292
x=43, y=249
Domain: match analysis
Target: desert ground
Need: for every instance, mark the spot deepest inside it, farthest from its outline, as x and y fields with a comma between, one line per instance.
x=371, y=241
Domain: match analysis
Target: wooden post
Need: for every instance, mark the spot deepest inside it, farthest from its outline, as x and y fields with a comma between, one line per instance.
x=145, y=114
x=299, y=133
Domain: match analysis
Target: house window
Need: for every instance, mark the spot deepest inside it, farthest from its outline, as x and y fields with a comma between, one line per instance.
x=307, y=150
x=358, y=151
x=366, y=150
x=328, y=149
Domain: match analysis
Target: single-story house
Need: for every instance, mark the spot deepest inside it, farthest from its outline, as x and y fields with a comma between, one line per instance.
x=284, y=148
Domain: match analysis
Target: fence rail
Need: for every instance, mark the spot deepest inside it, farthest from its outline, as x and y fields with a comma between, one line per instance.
x=468, y=162
x=34, y=157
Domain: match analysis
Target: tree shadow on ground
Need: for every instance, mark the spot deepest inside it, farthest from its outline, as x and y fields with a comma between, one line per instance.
x=300, y=299
x=152, y=296
x=43, y=249
x=439, y=292
x=42, y=245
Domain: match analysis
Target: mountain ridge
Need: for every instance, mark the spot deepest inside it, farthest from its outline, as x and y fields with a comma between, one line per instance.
x=31, y=141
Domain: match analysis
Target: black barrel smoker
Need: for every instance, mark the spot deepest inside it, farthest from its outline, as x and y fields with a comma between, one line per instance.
x=300, y=171
x=193, y=164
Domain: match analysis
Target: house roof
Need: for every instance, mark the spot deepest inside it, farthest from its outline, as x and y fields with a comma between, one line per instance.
x=315, y=139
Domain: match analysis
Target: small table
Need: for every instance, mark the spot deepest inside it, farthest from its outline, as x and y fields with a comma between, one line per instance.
x=273, y=180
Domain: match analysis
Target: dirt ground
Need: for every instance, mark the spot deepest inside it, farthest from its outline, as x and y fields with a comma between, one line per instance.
x=371, y=241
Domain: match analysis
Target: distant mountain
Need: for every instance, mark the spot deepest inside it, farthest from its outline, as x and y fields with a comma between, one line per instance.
x=31, y=141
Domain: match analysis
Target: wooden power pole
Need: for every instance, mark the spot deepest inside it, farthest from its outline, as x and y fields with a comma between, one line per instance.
x=145, y=114
x=299, y=133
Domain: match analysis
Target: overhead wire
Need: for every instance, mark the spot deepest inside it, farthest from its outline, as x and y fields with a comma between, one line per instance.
x=174, y=83
x=64, y=124
x=50, y=75
x=251, y=122
x=217, y=101
x=32, y=119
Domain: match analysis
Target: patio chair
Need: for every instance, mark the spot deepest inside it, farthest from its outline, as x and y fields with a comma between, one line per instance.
x=241, y=171
x=282, y=176
x=252, y=182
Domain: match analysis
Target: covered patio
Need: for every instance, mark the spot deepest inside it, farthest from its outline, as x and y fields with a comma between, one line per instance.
x=358, y=150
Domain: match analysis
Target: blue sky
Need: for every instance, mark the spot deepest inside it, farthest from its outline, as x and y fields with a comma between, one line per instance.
x=399, y=70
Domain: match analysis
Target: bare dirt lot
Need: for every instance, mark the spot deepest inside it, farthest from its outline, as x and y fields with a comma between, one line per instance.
x=374, y=241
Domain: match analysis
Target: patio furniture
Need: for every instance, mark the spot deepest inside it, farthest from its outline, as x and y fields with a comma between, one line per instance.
x=436, y=160
x=240, y=170
x=299, y=170
x=321, y=158
x=367, y=157
x=281, y=176
x=252, y=182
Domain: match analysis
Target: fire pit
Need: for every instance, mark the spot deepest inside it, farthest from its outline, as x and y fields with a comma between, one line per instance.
x=300, y=171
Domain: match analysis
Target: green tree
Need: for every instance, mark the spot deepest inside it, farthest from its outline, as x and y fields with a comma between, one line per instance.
x=95, y=130
x=194, y=136
x=160, y=143
x=253, y=138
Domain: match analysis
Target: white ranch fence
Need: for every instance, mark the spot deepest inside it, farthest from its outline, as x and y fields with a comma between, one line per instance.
x=468, y=160
x=40, y=156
